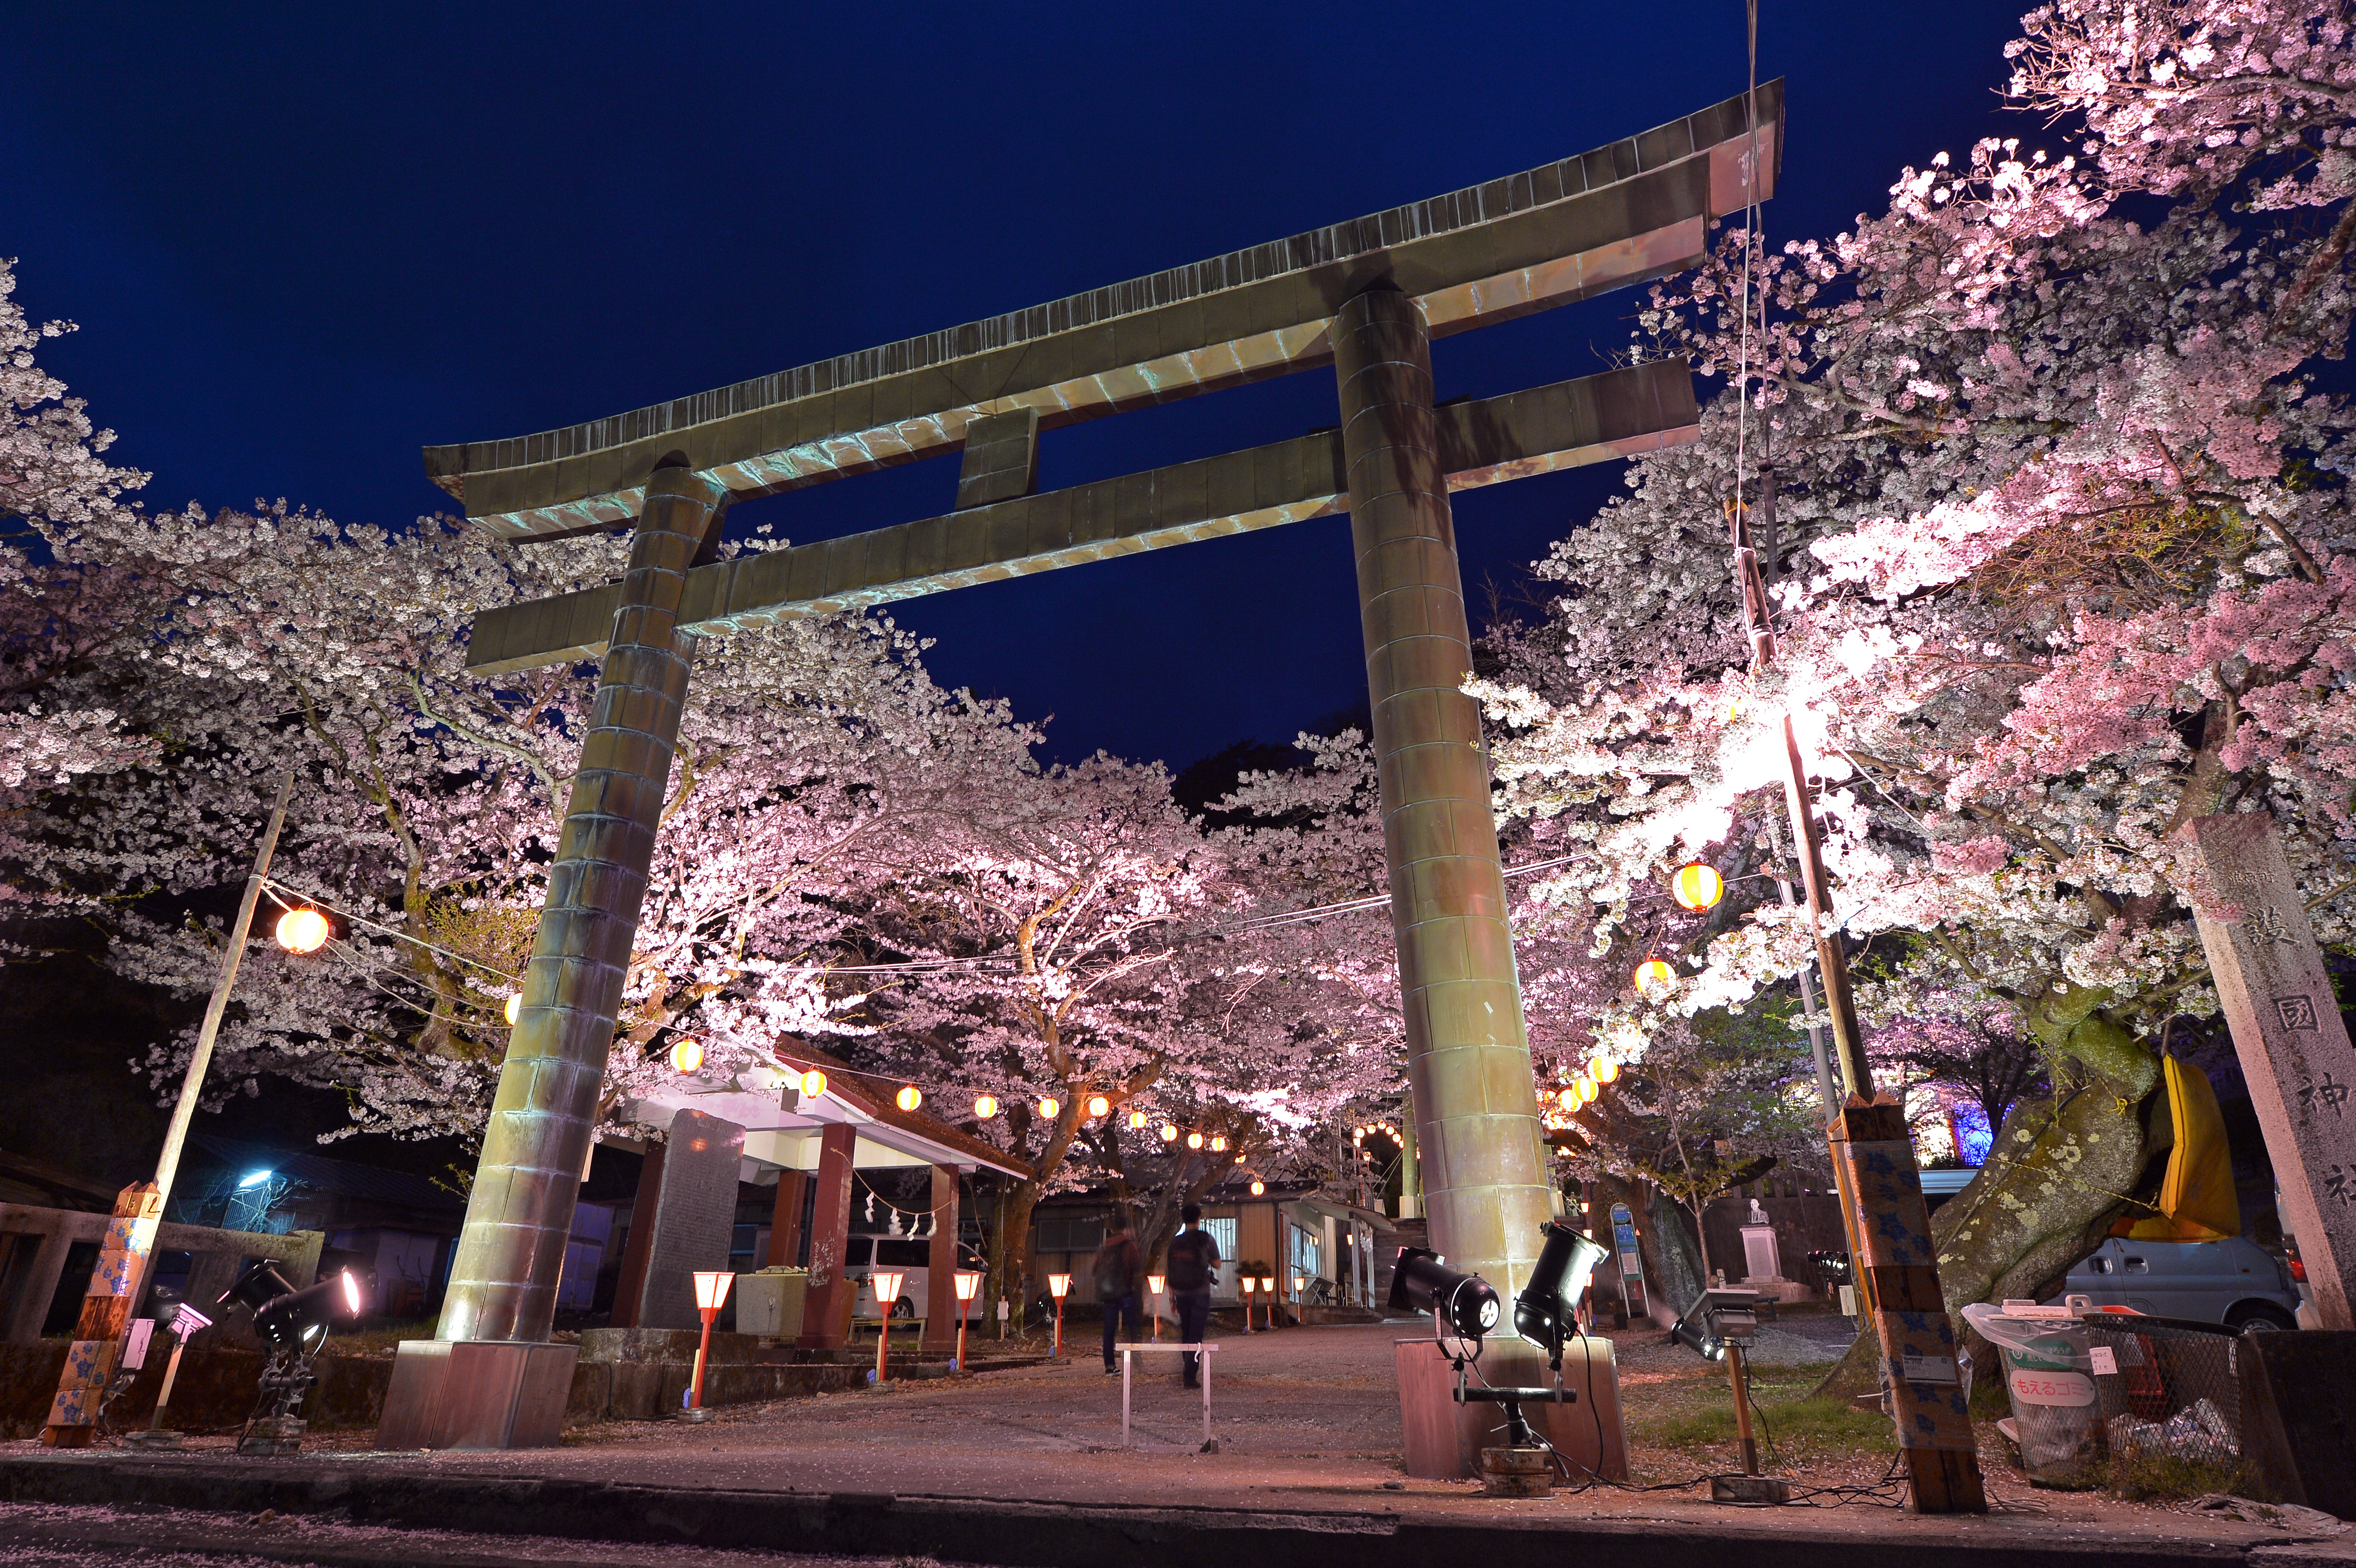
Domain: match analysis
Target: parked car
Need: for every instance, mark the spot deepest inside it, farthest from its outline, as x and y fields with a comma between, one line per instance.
x=862, y=1255
x=2237, y=1283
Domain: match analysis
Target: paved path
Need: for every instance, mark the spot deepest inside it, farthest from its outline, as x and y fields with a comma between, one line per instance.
x=1309, y=1432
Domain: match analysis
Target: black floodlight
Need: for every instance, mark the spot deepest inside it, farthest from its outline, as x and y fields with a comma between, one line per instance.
x=1544, y=1313
x=1422, y=1281
x=287, y=1318
x=258, y=1285
x=1715, y=1318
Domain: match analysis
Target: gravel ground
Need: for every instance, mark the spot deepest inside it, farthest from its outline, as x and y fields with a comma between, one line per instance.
x=1306, y=1419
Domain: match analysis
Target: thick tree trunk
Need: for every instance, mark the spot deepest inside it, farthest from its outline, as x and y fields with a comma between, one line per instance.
x=2059, y=1172
x=1010, y=1262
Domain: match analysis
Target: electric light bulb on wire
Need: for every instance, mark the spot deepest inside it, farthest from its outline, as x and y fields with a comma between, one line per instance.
x=302, y=931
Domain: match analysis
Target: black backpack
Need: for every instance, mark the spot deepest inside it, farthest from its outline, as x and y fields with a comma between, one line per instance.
x=1191, y=1255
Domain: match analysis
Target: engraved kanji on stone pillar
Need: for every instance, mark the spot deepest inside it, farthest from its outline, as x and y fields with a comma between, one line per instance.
x=2289, y=1033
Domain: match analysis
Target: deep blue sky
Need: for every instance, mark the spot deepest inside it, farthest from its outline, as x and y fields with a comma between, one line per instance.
x=303, y=241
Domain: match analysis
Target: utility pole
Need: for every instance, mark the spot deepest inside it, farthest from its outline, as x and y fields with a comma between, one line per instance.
x=122, y=1272
x=1895, y=1261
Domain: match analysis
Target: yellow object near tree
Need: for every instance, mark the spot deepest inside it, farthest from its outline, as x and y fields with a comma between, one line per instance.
x=2196, y=1197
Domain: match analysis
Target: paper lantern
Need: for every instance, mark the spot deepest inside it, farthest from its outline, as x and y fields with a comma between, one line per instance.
x=969, y=1284
x=1136, y=1119
x=985, y=1105
x=514, y=1009
x=1570, y=1097
x=1099, y=1106
x=302, y=931
x=1049, y=1107
x=813, y=1084
x=687, y=1053
x=909, y=1097
x=1602, y=1069
x=1170, y=1132
x=1697, y=886
x=1259, y=1187
x=1059, y=1285
x=1587, y=1090
x=1194, y=1140
x=1219, y=1143
x=1654, y=975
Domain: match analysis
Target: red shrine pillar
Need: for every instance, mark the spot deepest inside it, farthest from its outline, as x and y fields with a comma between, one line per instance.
x=786, y=1218
x=941, y=1305
x=827, y=1317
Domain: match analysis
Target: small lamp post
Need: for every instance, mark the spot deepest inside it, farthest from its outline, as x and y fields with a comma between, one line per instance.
x=1059, y=1285
x=711, y=1294
x=1300, y=1286
x=1267, y=1294
x=1250, y=1285
x=969, y=1285
x=1153, y=1284
x=887, y=1292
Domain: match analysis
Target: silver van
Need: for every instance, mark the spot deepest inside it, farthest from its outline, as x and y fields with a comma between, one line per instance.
x=2236, y=1283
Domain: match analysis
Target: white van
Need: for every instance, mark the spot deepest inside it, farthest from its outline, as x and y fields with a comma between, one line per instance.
x=912, y=1259
x=2237, y=1283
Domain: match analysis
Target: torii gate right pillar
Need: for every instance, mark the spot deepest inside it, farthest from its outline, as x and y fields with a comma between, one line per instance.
x=1476, y=1098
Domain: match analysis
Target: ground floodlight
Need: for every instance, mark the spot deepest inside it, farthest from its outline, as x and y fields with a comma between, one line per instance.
x=1716, y=1318
x=302, y=1318
x=1464, y=1302
x=1544, y=1313
x=258, y=1285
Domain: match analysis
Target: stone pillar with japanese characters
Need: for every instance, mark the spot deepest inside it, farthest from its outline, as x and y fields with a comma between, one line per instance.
x=2288, y=1031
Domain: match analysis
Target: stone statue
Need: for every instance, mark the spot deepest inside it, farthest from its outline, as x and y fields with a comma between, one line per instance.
x=1757, y=1215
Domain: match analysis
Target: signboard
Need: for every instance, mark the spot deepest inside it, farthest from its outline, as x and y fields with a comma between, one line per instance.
x=1631, y=1266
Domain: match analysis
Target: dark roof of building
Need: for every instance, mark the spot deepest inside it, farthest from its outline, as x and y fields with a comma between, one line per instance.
x=324, y=1173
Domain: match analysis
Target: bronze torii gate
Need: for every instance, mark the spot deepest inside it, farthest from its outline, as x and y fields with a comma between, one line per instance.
x=1366, y=295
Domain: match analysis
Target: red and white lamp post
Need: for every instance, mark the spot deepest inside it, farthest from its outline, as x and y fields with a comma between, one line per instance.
x=1249, y=1284
x=969, y=1285
x=1059, y=1285
x=887, y=1295
x=711, y=1295
x=1153, y=1284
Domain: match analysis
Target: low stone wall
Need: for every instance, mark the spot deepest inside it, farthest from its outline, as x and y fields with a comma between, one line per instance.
x=217, y=1388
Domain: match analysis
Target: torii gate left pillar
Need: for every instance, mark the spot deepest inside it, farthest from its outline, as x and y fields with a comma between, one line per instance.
x=490, y=1379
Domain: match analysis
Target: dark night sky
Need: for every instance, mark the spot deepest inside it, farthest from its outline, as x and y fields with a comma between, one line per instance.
x=305, y=241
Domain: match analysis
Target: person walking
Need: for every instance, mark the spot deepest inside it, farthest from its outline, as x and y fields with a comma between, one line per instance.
x=1119, y=1267
x=1193, y=1261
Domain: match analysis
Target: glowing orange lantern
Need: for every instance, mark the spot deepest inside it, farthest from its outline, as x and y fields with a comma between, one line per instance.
x=1219, y=1145
x=909, y=1097
x=1602, y=1069
x=1137, y=1119
x=1099, y=1106
x=1587, y=1090
x=1194, y=1140
x=1259, y=1187
x=514, y=1009
x=1170, y=1132
x=985, y=1105
x=1049, y=1107
x=1653, y=975
x=687, y=1053
x=302, y=931
x=813, y=1084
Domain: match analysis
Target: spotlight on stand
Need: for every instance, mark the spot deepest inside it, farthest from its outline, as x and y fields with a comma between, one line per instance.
x=292, y=1324
x=1546, y=1313
x=1716, y=1328
x=1462, y=1303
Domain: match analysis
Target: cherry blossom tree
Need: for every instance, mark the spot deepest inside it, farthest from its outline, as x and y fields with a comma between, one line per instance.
x=2060, y=561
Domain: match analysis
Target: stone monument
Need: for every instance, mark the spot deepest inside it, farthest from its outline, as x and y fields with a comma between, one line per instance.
x=2291, y=1040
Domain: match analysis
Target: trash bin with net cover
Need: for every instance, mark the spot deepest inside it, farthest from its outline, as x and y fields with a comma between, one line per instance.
x=2166, y=1387
x=2049, y=1374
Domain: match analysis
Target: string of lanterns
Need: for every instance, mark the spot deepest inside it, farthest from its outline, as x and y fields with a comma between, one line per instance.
x=1696, y=886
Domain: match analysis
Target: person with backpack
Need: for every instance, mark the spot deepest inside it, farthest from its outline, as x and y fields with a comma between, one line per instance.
x=1119, y=1266
x=1193, y=1261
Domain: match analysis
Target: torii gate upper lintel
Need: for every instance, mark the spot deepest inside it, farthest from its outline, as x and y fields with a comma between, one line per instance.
x=1366, y=297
